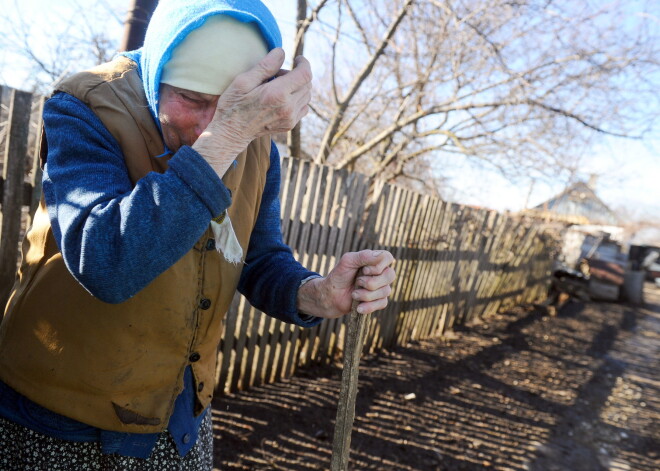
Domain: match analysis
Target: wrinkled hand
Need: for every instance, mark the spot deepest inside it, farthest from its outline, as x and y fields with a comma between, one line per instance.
x=365, y=276
x=254, y=105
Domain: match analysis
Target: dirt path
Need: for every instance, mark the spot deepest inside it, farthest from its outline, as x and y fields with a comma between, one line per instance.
x=578, y=391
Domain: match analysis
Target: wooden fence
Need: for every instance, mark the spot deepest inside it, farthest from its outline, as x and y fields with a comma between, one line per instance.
x=454, y=263
x=20, y=184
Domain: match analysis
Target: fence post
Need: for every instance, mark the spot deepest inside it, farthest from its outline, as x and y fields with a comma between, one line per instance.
x=37, y=172
x=12, y=200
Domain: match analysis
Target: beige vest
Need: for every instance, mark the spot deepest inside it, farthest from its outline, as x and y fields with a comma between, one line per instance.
x=120, y=366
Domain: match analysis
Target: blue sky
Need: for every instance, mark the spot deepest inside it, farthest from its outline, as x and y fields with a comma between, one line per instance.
x=631, y=169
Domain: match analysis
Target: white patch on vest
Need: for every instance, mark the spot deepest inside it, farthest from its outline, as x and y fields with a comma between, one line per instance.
x=226, y=242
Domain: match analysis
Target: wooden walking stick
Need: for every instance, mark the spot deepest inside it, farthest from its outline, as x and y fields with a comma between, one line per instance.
x=341, y=443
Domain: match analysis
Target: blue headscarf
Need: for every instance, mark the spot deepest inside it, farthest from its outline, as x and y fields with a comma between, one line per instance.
x=173, y=20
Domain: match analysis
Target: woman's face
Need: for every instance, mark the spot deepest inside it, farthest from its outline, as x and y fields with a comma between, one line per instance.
x=184, y=115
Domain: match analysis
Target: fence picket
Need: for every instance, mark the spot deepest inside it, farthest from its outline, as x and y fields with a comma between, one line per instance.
x=12, y=198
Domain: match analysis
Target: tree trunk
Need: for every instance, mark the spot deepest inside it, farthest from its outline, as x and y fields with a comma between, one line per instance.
x=136, y=23
x=293, y=138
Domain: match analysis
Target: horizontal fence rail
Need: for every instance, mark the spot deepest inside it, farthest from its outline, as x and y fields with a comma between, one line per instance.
x=455, y=264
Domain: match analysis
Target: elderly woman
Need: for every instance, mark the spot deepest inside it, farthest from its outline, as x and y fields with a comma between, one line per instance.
x=160, y=200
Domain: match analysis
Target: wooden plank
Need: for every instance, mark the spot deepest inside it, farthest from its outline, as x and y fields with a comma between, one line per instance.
x=37, y=172
x=285, y=193
x=319, y=219
x=284, y=344
x=499, y=231
x=321, y=347
x=477, y=275
x=498, y=256
x=299, y=195
x=523, y=262
x=243, y=325
x=309, y=338
x=437, y=287
x=12, y=198
x=442, y=245
x=372, y=224
x=470, y=275
x=480, y=276
x=424, y=274
x=332, y=334
x=419, y=272
x=227, y=355
x=487, y=276
x=306, y=214
x=353, y=241
x=365, y=238
x=448, y=221
x=264, y=350
x=273, y=352
x=289, y=361
x=256, y=323
x=349, y=205
x=409, y=205
x=341, y=443
x=388, y=225
x=381, y=215
x=468, y=254
x=333, y=188
x=453, y=253
x=434, y=288
x=410, y=322
x=424, y=282
x=288, y=194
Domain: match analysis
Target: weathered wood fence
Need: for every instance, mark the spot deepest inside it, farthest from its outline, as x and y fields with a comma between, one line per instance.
x=20, y=185
x=454, y=263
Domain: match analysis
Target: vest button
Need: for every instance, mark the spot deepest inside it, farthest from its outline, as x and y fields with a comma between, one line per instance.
x=210, y=244
x=194, y=357
x=200, y=386
x=205, y=303
x=186, y=438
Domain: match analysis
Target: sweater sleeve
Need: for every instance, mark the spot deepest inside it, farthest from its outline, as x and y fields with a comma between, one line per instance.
x=115, y=238
x=271, y=276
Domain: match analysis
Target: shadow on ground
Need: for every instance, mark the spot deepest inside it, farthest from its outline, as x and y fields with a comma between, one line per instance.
x=524, y=391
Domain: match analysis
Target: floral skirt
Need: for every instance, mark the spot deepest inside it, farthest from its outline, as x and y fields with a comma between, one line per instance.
x=22, y=449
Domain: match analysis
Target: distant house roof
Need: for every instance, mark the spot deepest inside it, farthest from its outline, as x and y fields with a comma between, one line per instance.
x=580, y=200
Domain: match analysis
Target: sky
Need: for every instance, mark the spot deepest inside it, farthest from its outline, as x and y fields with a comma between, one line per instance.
x=631, y=169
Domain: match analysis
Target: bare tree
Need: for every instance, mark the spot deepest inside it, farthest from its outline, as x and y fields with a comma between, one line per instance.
x=69, y=43
x=303, y=22
x=137, y=21
x=522, y=86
